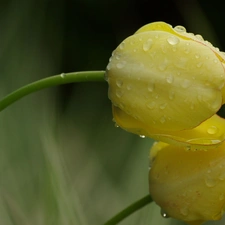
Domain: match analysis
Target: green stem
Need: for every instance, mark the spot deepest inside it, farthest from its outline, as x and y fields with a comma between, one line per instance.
x=64, y=78
x=129, y=210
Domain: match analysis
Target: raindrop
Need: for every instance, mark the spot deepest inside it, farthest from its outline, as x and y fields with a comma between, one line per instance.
x=173, y=40
x=151, y=105
x=222, y=176
x=199, y=64
x=163, y=106
x=116, y=125
x=212, y=130
x=170, y=79
x=171, y=95
x=164, y=214
x=119, y=93
x=216, y=104
x=185, y=83
x=151, y=87
x=108, y=67
x=199, y=37
x=180, y=29
x=119, y=83
x=163, y=65
x=122, y=45
x=197, y=56
x=184, y=211
x=62, y=75
x=142, y=136
x=162, y=119
x=129, y=87
x=118, y=57
x=147, y=45
x=120, y=65
x=210, y=181
x=221, y=197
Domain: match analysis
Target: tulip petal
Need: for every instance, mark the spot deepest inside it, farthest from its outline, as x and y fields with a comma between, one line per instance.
x=188, y=185
x=207, y=135
x=168, y=82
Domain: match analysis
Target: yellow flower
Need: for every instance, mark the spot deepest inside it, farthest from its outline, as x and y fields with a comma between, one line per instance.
x=168, y=84
x=188, y=185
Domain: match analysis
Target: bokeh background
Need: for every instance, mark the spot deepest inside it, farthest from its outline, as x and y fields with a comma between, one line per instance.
x=62, y=160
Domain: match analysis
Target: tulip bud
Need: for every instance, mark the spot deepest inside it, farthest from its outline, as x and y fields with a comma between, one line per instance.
x=188, y=185
x=168, y=84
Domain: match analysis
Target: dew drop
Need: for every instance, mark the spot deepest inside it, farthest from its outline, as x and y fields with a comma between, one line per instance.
x=62, y=75
x=221, y=197
x=108, y=67
x=163, y=106
x=184, y=211
x=142, y=136
x=180, y=29
x=122, y=45
x=117, y=57
x=215, y=61
x=119, y=93
x=151, y=105
x=164, y=214
x=135, y=50
x=119, y=83
x=170, y=79
x=197, y=56
x=163, y=65
x=210, y=181
x=116, y=125
x=129, y=87
x=120, y=65
x=216, y=104
x=212, y=130
x=171, y=95
x=185, y=83
x=199, y=37
x=222, y=176
x=173, y=40
x=162, y=119
x=199, y=64
x=151, y=87
x=147, y=45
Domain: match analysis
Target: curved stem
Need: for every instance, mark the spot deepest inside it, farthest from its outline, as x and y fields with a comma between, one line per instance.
x=64, y=78
x=129, y=210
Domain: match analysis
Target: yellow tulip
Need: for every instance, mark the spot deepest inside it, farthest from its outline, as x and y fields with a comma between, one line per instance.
x=188, y=185
x=168, y=84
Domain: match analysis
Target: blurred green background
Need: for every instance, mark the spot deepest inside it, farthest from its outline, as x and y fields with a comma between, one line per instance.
x=62, y=161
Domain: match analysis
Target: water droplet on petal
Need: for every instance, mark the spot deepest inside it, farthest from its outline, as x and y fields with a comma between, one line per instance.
x=199, y=64
x=119, y=93
x=147, y=45
x=212, y=130
x=171, y=95
x=162, y=119
x=120, y=65
x=119, y=83
x=199, y=37
x=122, y=45
x=170, y=79
x=108, y=67
x=215, y=105
x=117, y=57
x=184, y=211
x=163, y=106
x=129, y=87
x=221, y=197
x=151, y=105
x=142, y=136
x=173, y=40
x=151, y=87
x=185, y=83
x=210, y=181
x=180, y=29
